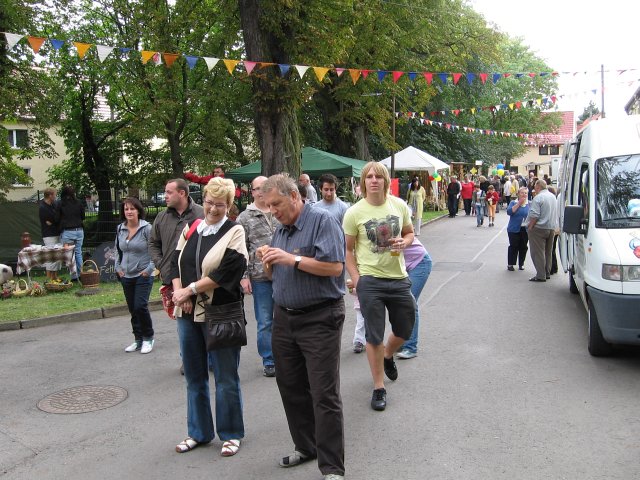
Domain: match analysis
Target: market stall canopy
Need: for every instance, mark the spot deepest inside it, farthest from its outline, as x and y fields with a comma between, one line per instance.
x=413, y=159
x=314, y=163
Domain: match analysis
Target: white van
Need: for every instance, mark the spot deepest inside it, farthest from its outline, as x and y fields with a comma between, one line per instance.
x=599, y=244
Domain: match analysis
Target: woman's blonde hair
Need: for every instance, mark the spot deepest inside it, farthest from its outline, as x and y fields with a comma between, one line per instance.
x=219, y=187
x=379, y=169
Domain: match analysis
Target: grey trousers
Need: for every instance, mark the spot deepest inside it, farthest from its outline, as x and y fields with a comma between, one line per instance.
x=540, y=248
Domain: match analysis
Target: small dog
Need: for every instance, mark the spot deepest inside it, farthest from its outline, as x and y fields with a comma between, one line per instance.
x=6, y=273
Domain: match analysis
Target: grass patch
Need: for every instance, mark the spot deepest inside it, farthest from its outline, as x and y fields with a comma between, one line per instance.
x=430, y=215
x=56, y=303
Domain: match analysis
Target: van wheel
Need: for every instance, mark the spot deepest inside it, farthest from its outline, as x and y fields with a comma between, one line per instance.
x=573, y=288
x=598, y=346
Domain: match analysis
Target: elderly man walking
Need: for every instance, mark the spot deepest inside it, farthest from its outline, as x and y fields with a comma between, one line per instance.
x=541, y=224
x=312, y=195
x=259, y=225
x=306, y=261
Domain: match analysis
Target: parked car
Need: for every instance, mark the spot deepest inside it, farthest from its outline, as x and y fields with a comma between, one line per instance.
x=195, y=192
x=157, y=199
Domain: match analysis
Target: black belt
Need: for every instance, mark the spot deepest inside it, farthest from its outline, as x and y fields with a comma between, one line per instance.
x=311, y=308
x=73, y=228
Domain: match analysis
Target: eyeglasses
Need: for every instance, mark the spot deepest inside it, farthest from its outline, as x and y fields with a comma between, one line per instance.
x=219, y=206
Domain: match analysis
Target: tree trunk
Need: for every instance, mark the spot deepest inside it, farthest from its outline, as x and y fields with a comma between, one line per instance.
x=275, y=118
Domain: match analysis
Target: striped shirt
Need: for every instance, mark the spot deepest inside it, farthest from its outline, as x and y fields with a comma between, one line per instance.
x=315, y=234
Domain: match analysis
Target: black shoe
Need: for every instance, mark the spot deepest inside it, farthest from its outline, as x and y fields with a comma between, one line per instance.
x=269, y=371
x=548, y=277
x=510, y=268
x=379, y=399
x=521, y=267
x=358, y=347
x=390, y=368
x=536, y=279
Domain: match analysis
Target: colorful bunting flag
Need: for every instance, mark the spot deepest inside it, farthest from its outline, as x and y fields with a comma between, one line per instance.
x=12, y=39
x=36, y=43
x=302, y=69
x=320, y=72
x=249, y=66
x=169, y=58
x=456, y=77
x=191, y=61
x=211, y=62
x=428, y=77
x=230, y=64
x=381, y=75
x=443, y=77
x=284, y=68
x=396, y=75
x=103, y=52
x=82, y=48
x=57, y=44
x=355, y=74
x=340, y=71
x=147, y=55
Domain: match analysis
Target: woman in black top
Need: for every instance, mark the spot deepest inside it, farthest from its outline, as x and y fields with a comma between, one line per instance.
x=49, y=228
x=70, y=215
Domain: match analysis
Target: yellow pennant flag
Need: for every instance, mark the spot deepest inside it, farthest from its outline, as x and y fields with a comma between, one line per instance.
x=473, y=110
x=320, y=72
x=169, y=58
x=355, y=74
x=36, y=43
x=231, y=65
x=82, y=48
x=539, y=101
x=511, y=105
x=147, y=55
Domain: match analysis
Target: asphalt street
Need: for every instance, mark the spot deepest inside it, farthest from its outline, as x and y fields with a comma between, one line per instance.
x=503, y=388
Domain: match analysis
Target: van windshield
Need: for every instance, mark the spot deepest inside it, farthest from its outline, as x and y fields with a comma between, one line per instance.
x=618, y=187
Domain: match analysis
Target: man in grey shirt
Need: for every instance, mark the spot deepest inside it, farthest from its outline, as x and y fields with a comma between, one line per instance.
x=312, y=196
x=541, y=225
x=306, y=263
x=330, y=201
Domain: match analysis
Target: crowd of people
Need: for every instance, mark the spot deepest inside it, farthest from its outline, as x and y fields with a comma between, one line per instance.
x=292, y=253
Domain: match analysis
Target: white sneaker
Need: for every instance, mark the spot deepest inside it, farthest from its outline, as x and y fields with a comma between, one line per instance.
x=406, y=354
x=133, y=347
x=147, y=346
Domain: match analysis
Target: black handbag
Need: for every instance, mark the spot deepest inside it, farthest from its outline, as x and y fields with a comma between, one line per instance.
x=226, y=325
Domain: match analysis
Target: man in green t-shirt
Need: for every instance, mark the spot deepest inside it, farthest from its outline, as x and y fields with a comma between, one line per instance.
x=377, y=229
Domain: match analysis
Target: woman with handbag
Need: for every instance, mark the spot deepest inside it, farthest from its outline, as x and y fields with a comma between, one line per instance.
x=134, y=268
x=206, y=270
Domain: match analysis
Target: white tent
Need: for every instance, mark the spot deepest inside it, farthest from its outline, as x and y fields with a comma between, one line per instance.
x=413, y=159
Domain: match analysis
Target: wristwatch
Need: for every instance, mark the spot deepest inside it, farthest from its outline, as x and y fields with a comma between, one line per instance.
x=192, y=286
x=298, y=258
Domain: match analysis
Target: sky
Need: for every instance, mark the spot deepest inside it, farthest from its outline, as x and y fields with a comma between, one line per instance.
x=577, y=36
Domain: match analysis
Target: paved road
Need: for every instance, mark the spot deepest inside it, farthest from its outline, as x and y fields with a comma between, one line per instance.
x=503, y=388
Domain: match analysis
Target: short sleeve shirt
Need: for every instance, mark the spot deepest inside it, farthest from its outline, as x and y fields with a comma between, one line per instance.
x=315, y=234
x=373, y=227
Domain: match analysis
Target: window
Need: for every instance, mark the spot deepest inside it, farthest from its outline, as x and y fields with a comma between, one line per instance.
x=27, y=171
x=554, y=149
x=18, y=138
x=543, y=150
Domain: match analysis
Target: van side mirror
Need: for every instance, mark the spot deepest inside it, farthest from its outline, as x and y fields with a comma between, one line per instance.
x=574, y=221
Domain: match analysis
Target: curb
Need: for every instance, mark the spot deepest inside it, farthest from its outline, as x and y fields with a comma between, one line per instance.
x=95, y=314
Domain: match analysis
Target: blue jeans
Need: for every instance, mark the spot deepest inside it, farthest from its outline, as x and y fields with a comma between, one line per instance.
x=136, y=292
x=418, y=276
x=74, y=237
x=479, y=213
x=225, y=362
x=263, y=307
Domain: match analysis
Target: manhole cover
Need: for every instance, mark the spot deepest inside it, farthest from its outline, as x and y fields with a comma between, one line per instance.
x=87, y=398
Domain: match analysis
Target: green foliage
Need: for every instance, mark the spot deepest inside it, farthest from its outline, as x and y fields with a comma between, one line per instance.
x=589, y=111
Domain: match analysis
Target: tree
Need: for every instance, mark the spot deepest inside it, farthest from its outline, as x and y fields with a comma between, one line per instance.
x=589, y=111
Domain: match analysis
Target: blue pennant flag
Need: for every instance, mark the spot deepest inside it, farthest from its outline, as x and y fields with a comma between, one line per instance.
x=496, y=77
x=57, y=44
x=125, y=50
x=191, y=61
x=542, y=74
x=471, y=77
x=519, y=75
x=381, y=74
x=412, y=75
x=443, y=77
x=284, y=68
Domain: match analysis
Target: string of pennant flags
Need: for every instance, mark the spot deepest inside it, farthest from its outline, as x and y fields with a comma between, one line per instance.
x=544, y=102
x=526, y=138
x=157, y=58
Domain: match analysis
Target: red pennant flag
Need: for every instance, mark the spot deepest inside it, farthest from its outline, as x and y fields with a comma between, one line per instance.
x=456, y=77
x=35, y=42
x=169, y=58
x=553, y=98
x=483, y=77
x=428, y=76
x=396, y=75
x=249, y=66
x=365, y=73
x=554, y=74
x=506, y=75
x=518, y=105
x=532, y=75
x=339, y=71
x=456, y=112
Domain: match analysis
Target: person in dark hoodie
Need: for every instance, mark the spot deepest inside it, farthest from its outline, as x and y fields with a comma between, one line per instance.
x=69, y=216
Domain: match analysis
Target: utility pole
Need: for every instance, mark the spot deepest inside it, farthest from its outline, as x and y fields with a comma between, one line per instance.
x=602, y=87
x=393, y=135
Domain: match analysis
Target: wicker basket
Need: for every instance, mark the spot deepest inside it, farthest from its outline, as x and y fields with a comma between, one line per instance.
x=19, y=291
x=58, y=287
x=89, y=279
